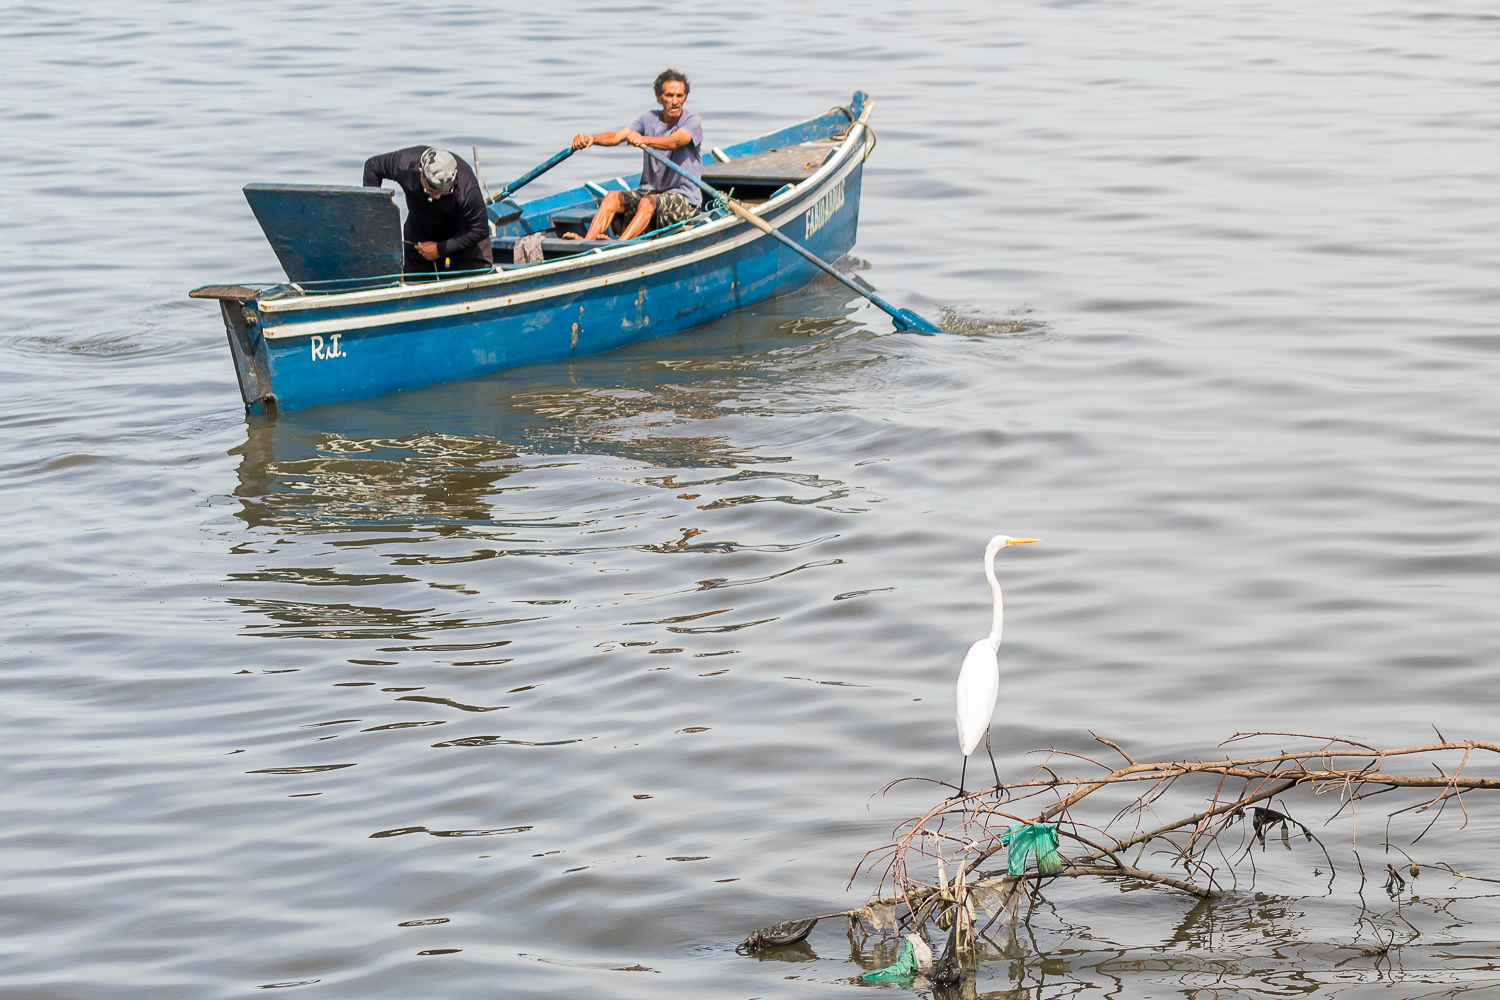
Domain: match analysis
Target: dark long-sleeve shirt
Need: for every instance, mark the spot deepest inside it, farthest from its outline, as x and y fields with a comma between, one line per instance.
x=456, y=222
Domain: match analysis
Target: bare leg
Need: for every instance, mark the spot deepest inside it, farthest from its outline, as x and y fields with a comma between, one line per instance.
x=992, y=759
x=642, y=219
x=608, y=208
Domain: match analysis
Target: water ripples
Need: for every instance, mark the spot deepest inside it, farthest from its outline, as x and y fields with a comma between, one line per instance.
x=1217, y=295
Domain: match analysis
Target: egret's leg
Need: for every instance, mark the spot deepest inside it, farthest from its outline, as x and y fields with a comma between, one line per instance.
x=992, y=759
x=961, y=775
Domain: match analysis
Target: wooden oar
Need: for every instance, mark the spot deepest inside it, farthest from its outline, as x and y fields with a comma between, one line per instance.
x=529, y=176
x=905, y=318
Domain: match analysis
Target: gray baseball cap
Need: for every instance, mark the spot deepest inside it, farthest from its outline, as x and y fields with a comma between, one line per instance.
x=439, y=169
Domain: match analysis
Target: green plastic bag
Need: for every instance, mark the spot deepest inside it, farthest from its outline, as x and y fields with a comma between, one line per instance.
x=900, y=971
x=1033, y=838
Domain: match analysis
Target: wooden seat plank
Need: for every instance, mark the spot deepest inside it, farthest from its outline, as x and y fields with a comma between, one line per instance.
x=787, y=166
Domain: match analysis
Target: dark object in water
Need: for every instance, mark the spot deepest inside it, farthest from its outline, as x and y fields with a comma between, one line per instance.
x=947, y=970
x=777, y=935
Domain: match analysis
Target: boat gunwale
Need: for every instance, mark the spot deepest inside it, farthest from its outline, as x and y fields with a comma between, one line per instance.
x=782, y=205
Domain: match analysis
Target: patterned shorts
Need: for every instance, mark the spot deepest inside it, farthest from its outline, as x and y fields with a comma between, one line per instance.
x=671, y=207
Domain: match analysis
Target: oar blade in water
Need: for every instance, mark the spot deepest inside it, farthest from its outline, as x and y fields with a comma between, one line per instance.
x=908, y=320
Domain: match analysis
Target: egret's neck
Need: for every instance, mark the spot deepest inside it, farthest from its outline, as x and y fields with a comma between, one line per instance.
x=997, y=622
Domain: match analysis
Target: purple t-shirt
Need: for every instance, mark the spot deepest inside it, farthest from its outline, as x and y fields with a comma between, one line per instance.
x=655, y=176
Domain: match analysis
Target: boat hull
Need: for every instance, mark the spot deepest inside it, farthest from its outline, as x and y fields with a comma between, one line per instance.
x=298, y=351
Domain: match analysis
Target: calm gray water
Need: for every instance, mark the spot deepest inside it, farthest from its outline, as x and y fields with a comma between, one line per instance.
x=424, y=698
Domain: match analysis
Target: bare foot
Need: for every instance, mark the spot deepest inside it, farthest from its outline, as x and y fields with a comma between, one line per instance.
x=571, y=236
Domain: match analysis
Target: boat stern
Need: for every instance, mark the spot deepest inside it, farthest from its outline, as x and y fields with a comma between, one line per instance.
x=247, y=344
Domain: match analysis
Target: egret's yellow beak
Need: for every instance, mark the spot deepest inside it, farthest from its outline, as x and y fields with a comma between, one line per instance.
x=1021, y=541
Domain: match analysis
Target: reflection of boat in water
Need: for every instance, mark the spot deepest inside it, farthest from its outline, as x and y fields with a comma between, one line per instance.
x=366, y=334
x=400, y=496
x=440, y=455
x=377, y=521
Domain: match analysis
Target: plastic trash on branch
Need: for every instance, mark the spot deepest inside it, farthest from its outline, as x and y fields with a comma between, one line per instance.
x=1032, y=838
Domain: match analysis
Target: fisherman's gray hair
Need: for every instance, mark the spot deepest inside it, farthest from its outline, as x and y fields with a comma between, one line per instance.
x=667, y=75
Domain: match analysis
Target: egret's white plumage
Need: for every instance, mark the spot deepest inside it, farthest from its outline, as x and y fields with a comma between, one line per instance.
x=979, y=677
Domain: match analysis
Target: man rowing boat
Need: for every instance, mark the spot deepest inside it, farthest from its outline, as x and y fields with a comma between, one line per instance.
x=665, y=197
x=447, y=228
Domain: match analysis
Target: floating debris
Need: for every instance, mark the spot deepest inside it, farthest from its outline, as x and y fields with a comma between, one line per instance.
x=916, y=956
x=777, y=935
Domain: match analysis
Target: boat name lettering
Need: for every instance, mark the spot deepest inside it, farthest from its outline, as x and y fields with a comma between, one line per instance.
x=333, y=350
x=824, y=210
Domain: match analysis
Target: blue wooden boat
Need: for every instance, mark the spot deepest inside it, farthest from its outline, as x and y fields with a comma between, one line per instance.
x=347, y=326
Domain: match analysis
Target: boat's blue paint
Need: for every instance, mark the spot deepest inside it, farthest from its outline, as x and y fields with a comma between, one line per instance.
x=293, y=351
x=322, y=232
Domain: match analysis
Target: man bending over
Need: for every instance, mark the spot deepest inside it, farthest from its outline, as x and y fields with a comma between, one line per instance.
x=665, y=197
x=447, y=228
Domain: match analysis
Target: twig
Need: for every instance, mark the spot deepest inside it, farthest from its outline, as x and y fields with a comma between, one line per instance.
x=1351, y=769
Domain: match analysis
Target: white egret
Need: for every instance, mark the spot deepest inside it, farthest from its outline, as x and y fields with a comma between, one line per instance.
x=979, y=677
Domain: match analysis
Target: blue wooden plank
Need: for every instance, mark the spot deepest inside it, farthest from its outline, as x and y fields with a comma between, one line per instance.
x=324, y=232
